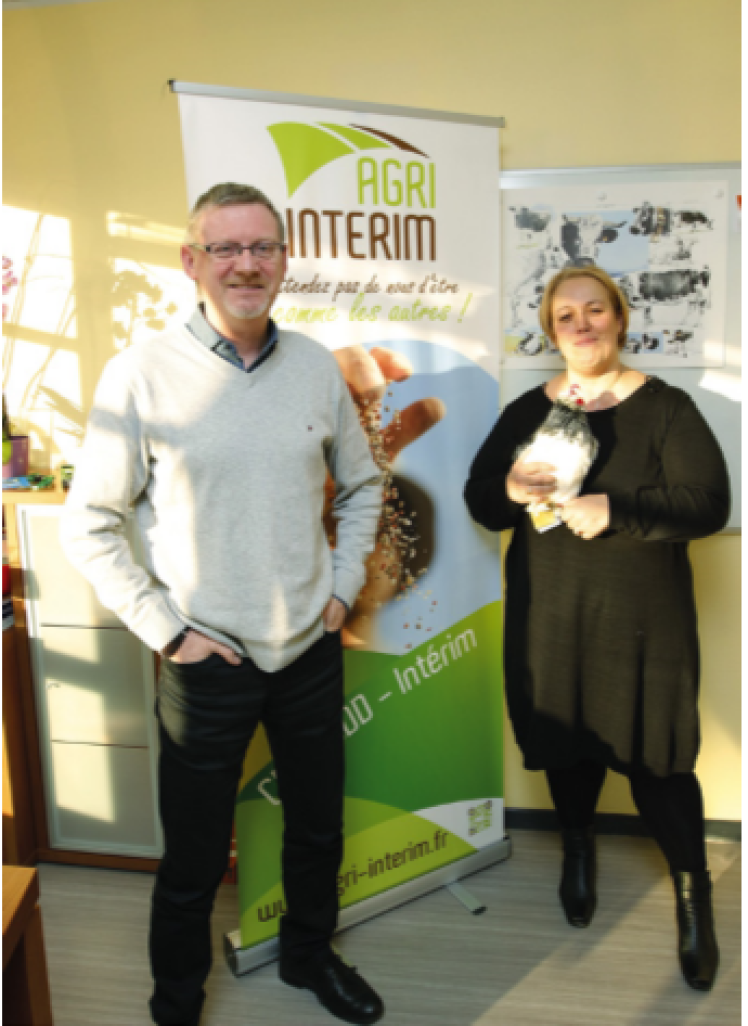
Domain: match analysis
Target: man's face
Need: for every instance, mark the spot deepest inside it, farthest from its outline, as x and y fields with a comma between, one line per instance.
x=241, y=288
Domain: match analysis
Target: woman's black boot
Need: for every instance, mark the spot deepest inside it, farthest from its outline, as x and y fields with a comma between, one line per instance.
x=578, y=878
x=697, y=944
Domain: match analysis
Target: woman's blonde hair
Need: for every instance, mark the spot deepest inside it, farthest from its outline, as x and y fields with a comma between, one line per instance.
x=616, y=296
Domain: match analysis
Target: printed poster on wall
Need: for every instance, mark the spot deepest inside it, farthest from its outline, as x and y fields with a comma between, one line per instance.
x=392, y=226
x=665, y=244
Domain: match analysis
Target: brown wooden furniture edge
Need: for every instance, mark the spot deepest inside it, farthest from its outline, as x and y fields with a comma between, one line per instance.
x=26, y=679
x=20, y=896
x=19, y=834
x=135, y=863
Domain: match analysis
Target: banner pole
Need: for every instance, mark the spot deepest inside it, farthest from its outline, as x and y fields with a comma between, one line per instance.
x=233, y=93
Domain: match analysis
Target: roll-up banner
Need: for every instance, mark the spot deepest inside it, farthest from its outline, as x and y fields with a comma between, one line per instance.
x=392, y=226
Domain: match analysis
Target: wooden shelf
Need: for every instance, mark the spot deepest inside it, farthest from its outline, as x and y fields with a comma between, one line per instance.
x=46, y=497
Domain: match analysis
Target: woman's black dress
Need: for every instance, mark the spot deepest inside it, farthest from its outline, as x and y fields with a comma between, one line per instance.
x=601, y=654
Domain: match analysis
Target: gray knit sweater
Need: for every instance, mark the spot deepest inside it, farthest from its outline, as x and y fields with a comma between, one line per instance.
x=225, y=472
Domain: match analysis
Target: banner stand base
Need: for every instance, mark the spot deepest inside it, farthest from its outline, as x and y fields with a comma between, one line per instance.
x=466, y=899
x=243, y=960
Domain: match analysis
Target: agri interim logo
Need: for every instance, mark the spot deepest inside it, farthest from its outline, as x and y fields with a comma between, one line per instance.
x=389, y=173
x=305, y=148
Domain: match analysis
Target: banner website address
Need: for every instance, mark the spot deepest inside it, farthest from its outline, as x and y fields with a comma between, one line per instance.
x=390, y=861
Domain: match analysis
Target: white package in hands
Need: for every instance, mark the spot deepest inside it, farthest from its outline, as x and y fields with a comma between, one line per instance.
x=565, y=440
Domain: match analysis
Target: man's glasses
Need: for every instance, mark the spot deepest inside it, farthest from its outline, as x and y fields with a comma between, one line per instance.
x=267, y=252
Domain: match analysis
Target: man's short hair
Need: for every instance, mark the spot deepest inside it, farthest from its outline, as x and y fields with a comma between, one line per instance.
x=230, y=194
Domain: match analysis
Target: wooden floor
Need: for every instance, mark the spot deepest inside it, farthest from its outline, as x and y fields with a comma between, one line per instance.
x=518, y=964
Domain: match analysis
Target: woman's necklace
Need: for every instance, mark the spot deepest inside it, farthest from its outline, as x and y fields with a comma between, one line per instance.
x=596, y=402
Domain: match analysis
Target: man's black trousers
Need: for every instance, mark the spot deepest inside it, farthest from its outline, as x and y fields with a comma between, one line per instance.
x=208, y=713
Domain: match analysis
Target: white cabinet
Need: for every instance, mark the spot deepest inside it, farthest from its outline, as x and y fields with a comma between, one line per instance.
x=94, y=689
x=103, y=799
x=60, y=594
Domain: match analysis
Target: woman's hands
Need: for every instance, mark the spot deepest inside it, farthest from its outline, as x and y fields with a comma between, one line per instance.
x=587, y=515
x=530, y=482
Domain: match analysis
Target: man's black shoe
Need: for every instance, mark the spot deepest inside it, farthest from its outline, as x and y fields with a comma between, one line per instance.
x=337, y=985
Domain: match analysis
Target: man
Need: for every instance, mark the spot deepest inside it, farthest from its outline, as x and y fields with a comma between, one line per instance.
x=220, y=435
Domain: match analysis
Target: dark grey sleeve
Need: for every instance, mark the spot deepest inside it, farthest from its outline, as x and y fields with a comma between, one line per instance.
x=485, y=491
x=694, y=500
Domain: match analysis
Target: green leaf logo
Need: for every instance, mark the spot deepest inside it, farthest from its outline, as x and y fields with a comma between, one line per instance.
x=304, y=149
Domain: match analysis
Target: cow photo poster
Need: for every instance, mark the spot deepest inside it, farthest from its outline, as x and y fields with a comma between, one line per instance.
x=665, y=244
x=392, y=227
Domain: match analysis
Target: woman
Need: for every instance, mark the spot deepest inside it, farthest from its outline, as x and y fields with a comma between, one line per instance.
x=601, y=647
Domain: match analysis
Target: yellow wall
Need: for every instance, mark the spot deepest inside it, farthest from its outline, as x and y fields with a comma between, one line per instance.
x=94, y=180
